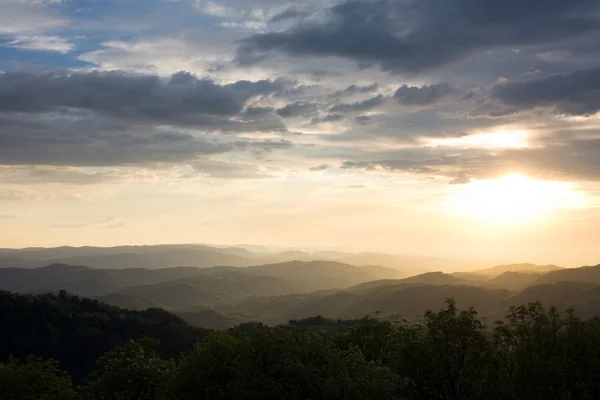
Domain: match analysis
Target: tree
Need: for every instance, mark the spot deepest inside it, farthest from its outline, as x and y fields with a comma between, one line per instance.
x=35, y=379
x=131, y=372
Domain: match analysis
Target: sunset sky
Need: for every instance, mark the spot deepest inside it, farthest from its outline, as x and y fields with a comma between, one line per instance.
x=447, y=128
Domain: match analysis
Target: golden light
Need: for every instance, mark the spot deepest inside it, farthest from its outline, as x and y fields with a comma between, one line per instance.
x=498, y=139
x=512, y=199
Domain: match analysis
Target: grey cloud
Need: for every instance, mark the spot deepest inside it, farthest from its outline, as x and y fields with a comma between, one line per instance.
x=327, y=118
x=287, y=14
x=258, y=111
x=321, y=167
x=363, y=119
x=411, y=36
x=181, y=100
x=298, y=109
x=424, y=95
x=575, y=93
x=357, y=89
x=569, y=159
x=29, y=139
x=360, y=106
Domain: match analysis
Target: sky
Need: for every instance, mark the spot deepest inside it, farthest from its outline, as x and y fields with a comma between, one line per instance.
x=447, y=128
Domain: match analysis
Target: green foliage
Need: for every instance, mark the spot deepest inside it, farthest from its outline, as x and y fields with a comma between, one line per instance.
x=76, y=331
x=131, y=372
x=451, y=354
x=34, y=379
x=276, y=364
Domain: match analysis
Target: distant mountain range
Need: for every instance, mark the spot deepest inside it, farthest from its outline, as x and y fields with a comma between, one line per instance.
x=221, y=287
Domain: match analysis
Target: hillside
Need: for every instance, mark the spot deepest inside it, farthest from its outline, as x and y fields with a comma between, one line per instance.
x=583, y=274
x=215, y=286
x=513, y=280
x=400, y=299
x=584, y=297
x=436, y=278
x=76, y=330
x=324, y=274
x=211, y=319
x=83, y=280
x=163, y=256
x=524, y=268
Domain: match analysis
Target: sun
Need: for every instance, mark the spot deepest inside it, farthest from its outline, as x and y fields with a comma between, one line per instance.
x=511, y=199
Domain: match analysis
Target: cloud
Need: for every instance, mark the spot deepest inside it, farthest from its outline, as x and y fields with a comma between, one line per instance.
x=20, y=17
x=228, y=169
x=356, y=89
x=412, y=36
x=42, y=43
x=64, y=175
x=89, y=140
x=424, y=95
x=360, y=106
x=461, y=179
x=287, y=14
x=106, y=223
x=182, y=100
x=327, y=118
x=321, y=167
x=574, y=93
x=298, y=109
x=7, y=217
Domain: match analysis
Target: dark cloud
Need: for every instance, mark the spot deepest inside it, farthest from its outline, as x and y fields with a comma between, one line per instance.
x=357, y=89
x=411, y=36
x=258, y=111
x=287, y=14
x=298, y=109
x=424, y=95
x=29, y=139
x=181, y=100
x=360, y=106
x=575, y=93
x=327, y=118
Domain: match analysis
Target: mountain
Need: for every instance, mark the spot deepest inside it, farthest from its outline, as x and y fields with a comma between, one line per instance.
x=513, y=280
x=436, y=278
x=403, y=299
x=214, y=286
x=78, y=279
x=324, y=274
x=526, y=268
x=76, y=331
x=161, y=256
x=83, y=280
x=585, y=274
x=128, y=301
x=211, y=319
x=584, y=297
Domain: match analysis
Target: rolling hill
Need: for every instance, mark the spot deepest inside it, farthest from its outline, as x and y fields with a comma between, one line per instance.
x=583, y=274
x=324, y=274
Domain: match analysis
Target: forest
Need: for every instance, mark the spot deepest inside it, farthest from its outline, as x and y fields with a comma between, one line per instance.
x=65, y=347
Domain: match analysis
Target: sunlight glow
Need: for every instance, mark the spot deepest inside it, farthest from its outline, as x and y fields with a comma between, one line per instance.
x=497, y=139
x=512, y=199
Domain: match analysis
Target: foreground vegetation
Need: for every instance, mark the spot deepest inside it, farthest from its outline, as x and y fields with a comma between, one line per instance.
x=533, y=353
